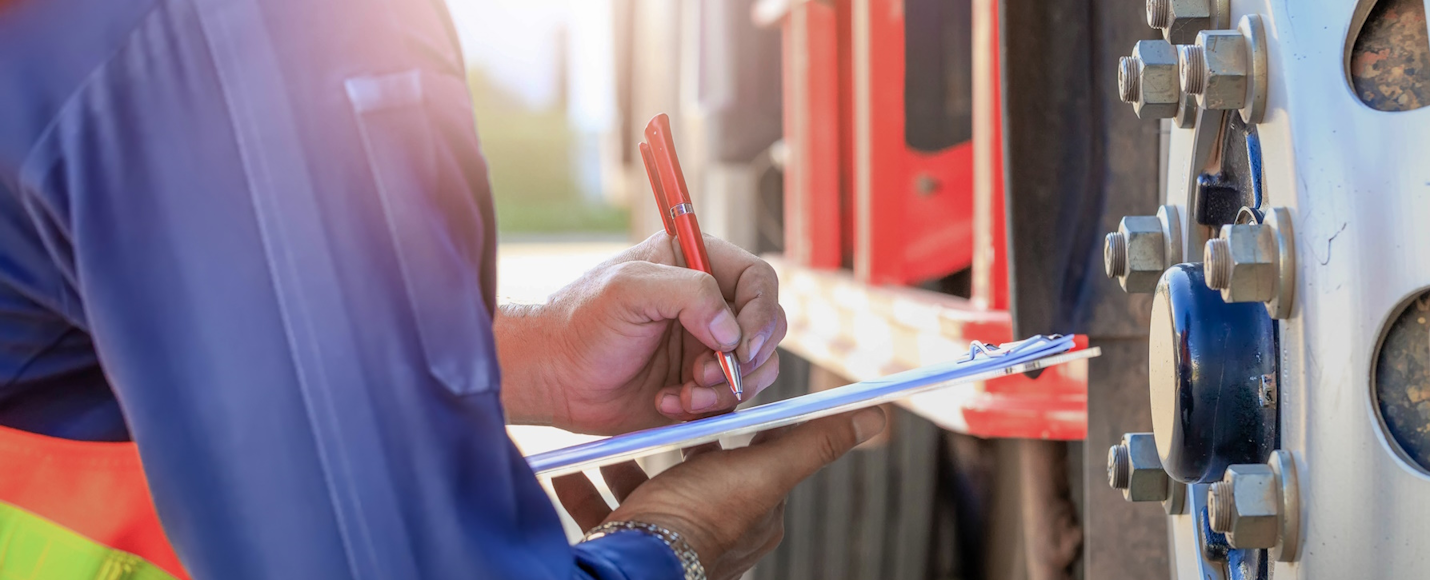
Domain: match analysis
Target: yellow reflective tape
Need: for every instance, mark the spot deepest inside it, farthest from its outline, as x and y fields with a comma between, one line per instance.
x=34, y=548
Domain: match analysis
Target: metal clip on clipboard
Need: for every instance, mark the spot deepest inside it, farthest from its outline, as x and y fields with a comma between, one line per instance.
x=977, y=348
x=983, y=362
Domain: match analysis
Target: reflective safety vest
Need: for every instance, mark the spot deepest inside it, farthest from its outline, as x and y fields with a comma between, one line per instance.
x=78, y=510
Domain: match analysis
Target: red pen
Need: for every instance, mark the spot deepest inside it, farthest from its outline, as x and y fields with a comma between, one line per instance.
x=678, y=215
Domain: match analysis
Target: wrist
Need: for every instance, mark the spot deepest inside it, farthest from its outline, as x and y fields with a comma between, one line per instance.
x=687, y=556
x=525, y=390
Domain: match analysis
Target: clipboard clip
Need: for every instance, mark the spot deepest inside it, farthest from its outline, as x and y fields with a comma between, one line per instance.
x=979, y=349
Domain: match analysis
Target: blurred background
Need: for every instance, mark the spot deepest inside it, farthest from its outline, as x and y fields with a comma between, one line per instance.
x=562, y=89
x=913, y=194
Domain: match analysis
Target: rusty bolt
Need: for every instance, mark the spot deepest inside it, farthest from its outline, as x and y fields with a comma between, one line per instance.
x=1179, y=20
x=1148, y=80
x=1243, y=263
x=1246, y=506
x=1217, y=69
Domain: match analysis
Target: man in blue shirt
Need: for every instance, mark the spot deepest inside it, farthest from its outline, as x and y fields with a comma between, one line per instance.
x=268, y=223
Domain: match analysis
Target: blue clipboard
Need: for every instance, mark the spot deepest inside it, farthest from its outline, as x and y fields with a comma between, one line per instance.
x=983, y=362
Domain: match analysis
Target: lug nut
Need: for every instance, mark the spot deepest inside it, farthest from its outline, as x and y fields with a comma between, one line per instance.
x=1148, y=80
x=1255, y=262
x=1119, y=467
x=1142, y=248
x=1242, y=263
x=1134, y=468
x=1224, y=70
x=1246, y=505
x=1179, y=20
x=1258, y=506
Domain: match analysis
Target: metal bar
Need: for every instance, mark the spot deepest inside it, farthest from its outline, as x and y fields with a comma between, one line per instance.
x=862, y=332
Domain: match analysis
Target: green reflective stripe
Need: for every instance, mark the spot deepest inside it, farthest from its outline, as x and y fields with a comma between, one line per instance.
x=34, y=548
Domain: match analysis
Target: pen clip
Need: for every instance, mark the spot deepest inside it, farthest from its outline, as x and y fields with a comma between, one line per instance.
x=661, y=202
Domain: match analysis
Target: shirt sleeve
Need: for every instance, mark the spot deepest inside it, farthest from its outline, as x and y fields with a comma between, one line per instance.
x=273, y=219
x=628, y=555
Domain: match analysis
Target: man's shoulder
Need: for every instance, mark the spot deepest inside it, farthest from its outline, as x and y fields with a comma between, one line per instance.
x=48, y=50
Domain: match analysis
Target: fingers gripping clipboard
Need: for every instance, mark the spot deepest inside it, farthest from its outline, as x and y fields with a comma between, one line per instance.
x=982, y=362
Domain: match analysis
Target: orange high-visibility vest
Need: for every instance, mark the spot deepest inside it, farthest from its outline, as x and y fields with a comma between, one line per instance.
x=95, y=489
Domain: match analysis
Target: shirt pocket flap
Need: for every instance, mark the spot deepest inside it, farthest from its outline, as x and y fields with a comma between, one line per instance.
x=442, y=284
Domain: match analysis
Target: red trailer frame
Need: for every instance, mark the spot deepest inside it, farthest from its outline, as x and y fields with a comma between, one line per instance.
x=856, y=193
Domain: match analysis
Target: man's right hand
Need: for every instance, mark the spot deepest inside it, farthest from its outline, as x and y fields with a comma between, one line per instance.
x=729, y=505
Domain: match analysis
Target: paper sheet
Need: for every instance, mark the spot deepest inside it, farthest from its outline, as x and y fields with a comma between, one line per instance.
x=982, y=363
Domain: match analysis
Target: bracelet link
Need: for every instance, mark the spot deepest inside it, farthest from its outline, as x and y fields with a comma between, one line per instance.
x=689, y=559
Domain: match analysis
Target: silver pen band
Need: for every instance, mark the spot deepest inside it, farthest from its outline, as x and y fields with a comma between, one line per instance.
x=681, y=209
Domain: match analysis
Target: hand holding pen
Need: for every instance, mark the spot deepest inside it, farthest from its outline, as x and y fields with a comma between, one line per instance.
x=637, y=341
x=672, y=199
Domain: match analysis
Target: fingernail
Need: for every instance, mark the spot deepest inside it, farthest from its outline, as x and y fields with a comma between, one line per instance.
x=867, y=424
x=724, y=328
x=670, y=404
x=712, y=374
x=755, y=344
x=702, y=399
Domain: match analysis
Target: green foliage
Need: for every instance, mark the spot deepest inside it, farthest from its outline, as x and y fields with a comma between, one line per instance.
x=529, y=155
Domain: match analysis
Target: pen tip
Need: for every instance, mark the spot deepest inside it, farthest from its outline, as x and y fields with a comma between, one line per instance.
x=731, y=366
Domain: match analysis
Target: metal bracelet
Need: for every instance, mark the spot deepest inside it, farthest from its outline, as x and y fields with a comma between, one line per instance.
x=689, y=560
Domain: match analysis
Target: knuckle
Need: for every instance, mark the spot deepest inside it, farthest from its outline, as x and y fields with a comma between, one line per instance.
x=761, y=276
x=777, y=535
x=624, y=272
x=708, y=285
x=765, y=273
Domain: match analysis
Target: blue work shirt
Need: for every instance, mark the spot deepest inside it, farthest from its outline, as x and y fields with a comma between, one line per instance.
x=256, y=237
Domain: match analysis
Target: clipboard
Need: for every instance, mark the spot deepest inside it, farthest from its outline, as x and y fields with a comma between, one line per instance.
x=982, y=362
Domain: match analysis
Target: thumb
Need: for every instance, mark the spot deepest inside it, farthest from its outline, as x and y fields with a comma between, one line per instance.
x=663, y=292
x=790, y=457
